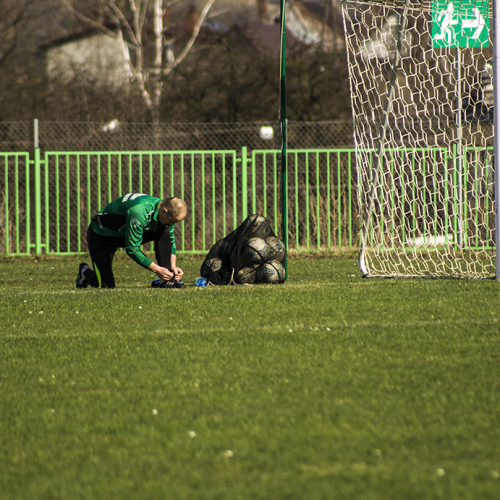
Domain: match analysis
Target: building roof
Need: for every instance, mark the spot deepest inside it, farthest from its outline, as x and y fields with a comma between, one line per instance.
x=73, y=37
x=267, y=37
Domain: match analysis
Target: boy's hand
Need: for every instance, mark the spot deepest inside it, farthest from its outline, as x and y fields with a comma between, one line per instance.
x=162, y=272
x=178, y=272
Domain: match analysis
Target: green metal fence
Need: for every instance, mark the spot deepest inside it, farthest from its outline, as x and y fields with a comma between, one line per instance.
x=49, y=200
x=16, y=203
x=427, y=195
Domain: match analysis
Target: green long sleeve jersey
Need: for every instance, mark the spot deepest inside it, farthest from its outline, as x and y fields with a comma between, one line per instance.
x=131, y=216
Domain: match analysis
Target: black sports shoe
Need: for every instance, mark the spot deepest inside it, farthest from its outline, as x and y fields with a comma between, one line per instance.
x=168, y=284
x=174, y=284
x=81, y=281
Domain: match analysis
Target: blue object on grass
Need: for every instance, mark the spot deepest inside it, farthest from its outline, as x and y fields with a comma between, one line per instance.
x=201, y=282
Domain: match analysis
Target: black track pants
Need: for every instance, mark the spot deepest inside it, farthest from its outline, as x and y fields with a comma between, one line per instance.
x=102, y=250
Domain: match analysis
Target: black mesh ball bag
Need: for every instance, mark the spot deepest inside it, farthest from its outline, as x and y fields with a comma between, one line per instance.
x=252, y=253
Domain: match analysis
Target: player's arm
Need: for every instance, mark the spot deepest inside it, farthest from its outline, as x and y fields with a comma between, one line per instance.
x=162, y=272
x=133, y=241
x=178, y=272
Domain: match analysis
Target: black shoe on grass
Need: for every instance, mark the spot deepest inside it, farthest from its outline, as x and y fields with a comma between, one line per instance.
x=168, y=284
x=81, y=281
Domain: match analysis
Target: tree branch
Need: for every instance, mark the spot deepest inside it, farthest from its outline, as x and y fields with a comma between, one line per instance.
x=142, y=15
x=218, y=13
x=90, y=21
x=188, y=46
x=8, y=51
x=119, y=14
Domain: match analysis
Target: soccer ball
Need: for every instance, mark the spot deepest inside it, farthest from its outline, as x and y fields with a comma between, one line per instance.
x=260, y=226
x=214, y=264
x=276, y=248
x=271, y=272
x=255, y=251
x=246, y=275
x=219, y=250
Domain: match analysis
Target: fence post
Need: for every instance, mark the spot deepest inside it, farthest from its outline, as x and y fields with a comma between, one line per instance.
x=244, y=183
x=38, y=193
x=496, y=124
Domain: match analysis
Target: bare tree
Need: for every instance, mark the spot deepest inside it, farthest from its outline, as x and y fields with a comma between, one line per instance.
x=12, y=20
x=131, y=17
x=230, y=80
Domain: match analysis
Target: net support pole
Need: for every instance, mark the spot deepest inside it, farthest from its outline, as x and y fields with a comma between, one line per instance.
x=496, y=118
x=459, y=151
x=38, y=192
x=375, y=173
x=244, y=183
x=283, y=127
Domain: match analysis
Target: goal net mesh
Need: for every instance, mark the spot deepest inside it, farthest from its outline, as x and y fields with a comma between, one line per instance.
x=420, y=75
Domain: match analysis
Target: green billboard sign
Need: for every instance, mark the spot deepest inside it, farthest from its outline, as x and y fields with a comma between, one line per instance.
x=460, y=23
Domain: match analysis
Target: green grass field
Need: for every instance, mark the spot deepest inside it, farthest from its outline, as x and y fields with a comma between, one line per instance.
x=327, y=387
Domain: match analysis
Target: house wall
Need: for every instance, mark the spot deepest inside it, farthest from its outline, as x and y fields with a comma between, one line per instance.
x=308, y=28
x=239, y=10
x=301, y=21
x=100, y=58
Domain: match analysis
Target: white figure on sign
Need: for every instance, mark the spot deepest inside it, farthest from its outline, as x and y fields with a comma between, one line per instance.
x=478, y=23
x=445, y=20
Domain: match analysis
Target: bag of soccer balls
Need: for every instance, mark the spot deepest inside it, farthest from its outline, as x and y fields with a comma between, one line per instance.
x=252, y=253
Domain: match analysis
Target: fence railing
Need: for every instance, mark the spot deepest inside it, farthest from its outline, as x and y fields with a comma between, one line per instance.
x=47, y=202
x=117, y=136
x=430, y=197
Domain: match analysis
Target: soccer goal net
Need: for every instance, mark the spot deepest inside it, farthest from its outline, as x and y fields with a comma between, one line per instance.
x=421, y=83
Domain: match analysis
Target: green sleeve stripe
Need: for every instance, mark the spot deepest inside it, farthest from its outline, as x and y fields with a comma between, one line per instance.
x=172, y=240
x=98, y=275
x=133, y=238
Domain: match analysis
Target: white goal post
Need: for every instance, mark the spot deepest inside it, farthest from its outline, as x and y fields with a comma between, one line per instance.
x=421, y=76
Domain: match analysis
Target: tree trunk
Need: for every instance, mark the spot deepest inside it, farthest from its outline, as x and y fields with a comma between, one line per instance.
x=158, y=62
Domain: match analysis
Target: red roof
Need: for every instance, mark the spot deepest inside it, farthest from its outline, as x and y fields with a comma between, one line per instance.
x=267, y=37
